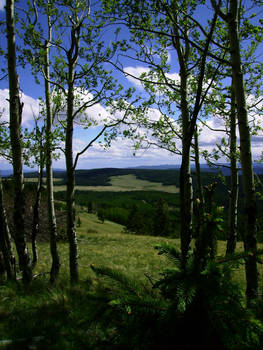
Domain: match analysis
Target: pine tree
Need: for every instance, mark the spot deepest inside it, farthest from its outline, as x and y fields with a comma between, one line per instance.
x=161, y=225
x=135, y=221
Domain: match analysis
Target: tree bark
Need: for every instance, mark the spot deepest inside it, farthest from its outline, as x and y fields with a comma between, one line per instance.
x=5, y=240
x=15, y=111
x=36, y=208
x=200, y=192
x=71, y=230
x=186, y=189
x=233, y=202
x=250, y=240
x=199, y=203
x=52, y=223
x=188, y=129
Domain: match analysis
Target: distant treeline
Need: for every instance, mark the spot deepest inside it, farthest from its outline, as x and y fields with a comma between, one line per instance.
x=138, y=211
x=117, y=206
x=101, y=177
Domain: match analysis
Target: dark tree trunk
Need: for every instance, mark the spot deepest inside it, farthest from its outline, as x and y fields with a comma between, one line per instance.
x=250, y=239
x=186, y=203
x=52, y=223
x=71, y=230
x=186, y=190
x=233, y=202
x=199, y=202
x=5, y=240
x=36, y=208
x=16, y=107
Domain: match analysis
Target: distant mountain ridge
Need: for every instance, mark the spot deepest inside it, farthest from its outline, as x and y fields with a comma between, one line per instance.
x=258, y=169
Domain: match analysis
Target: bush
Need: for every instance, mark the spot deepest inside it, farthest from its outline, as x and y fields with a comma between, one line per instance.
x=187, y=308
x=62, y=234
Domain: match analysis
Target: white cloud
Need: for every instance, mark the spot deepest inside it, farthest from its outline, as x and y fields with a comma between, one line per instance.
x=209, y=136
x=120, y=154
x=2, y=5
x=174, y=76
x=136, y=72
x=31, y=106
x=169, y=57
x=96, y=114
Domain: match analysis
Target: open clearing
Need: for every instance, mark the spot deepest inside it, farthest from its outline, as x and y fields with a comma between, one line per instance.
x=124, y=183
x=107, y=245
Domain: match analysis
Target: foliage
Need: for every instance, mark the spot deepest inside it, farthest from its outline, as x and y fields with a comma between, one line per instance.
x=101, y=215
x=83, y=317
x=134, y=209
x=161, y=219
x=207, y=305
x=101, y=177
x=30, y=189
x=136, y=222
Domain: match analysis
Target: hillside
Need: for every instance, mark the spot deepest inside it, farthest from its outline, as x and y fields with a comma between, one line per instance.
x=117, y=191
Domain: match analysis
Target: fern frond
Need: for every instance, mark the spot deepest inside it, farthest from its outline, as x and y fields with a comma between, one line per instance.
x=130, y=285
x=171, y=252
x=231, y=258
x=146, y=303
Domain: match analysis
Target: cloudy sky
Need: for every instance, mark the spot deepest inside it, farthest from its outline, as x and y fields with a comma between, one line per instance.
x=121, y=152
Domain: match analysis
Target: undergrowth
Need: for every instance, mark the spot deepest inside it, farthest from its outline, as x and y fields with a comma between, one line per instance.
x=183, y=309
x=186, y=307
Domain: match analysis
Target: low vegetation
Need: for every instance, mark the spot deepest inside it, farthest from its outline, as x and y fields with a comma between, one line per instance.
x=118, y=303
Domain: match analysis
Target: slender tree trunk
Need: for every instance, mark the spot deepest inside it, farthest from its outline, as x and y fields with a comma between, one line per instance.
x=52, y=223
x=250, y=240
x=71, y=230
x=199, y=203
x=5, y=240
x=16, y=107
x=36, y=208
x=233, y=202
x=188, y=129
x=186, y=190
x=2, y=266
x=186, y=202
x=200, y=192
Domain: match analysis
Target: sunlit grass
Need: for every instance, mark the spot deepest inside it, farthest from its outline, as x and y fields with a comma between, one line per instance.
x=61, y=316
x=120, y=183
x=106, y=244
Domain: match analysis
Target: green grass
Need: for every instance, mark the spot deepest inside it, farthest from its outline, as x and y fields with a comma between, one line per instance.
x=35, y=179
x=120, y=183
x=42, y=316
x=106, y=244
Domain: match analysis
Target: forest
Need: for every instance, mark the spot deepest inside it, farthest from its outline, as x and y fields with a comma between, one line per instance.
x=132, y=258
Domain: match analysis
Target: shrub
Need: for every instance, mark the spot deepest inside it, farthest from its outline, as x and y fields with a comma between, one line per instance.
x=187, y=307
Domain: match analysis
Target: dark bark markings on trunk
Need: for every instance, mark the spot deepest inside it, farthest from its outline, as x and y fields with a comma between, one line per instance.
x=72, y=56
x=16, y=108
x=233, y=201
x=54, y=272
x=5, y=240
x=36, y=209
x=250, y=240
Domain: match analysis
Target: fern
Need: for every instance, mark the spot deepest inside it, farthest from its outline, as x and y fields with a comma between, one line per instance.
x=203, y=302
x=172, y=253
x=128, y=285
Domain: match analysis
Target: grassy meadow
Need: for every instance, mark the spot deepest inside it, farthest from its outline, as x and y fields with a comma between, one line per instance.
x=107, y=244
x=61, y=316
x=64, y=316
x=120, y=183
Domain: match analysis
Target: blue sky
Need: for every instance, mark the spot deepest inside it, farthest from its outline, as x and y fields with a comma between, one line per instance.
x=120, y=154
